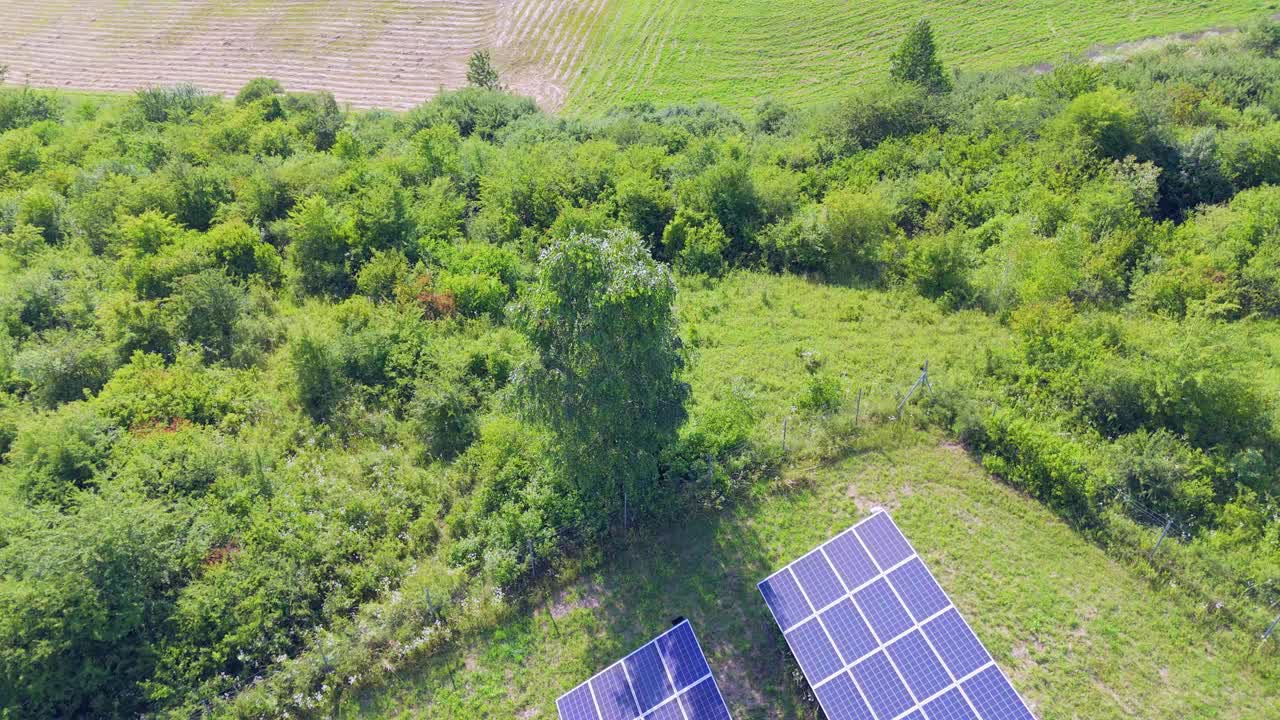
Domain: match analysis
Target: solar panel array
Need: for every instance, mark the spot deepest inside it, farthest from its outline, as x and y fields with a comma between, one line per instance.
x=666, y=679
x=877, y=637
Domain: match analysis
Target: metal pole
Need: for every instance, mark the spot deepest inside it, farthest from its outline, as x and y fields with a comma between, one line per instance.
x=1271, y=629
x=784, y=434
x=857, y=410
x=1163, y=533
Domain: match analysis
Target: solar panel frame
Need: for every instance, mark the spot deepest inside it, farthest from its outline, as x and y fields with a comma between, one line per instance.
x=950, y=642
x=685, y=697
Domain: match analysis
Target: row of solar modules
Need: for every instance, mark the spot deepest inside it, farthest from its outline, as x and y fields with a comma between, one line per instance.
x=878, y=639
x=666, y=679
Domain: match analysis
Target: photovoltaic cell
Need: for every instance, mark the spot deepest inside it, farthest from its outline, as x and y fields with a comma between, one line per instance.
x=817, y=579
x=850, y=559
x=918, y=590
x=812, y=647
x=994, y=697
x=841, y=701
x=782, y=594
x=883, y=540
x=669, y=711
x=613, y=695
x=882, y=687
x=703, y=702
x=682, y=656
x=918, y=665
x=950, y=705
x=956, y=644
x=879, y=604
x=648, y=677
x=577, y=704
x=878, y=638
x=849, y=632
x=666, y=679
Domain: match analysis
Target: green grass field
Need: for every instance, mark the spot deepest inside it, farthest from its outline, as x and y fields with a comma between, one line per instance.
x=805, y=51
x=1081, y=634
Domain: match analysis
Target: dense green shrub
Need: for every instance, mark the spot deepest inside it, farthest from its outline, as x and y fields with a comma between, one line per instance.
x=64, y=366
x=57, y=453
x=83, y=599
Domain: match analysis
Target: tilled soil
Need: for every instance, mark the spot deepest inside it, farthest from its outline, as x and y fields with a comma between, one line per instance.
x=370, y=53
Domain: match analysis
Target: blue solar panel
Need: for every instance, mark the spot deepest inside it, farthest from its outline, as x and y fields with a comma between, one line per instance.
x=950, y=705
x=812, y=647
x=918, y=590
x=882, y=687
x=666, y=679
x=848, y=631
x=918, y=665
x=878, y=638
x=880, y=606
x=682, y=656
x=703, y=702
x=851, y=559
x=994, y=697
x=818, y=580
x=883, y=540
x=648, y=677
x=784, y=598
x=669, y=711
x=841, y=700
x=956, y=644
x=577, y=704
x=613, y=695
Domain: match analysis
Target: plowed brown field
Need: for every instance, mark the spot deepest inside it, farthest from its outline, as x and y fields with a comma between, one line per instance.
x=370, y=53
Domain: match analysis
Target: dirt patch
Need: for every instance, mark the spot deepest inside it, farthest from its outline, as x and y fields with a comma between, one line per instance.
x=570, y=599
x=392, y=54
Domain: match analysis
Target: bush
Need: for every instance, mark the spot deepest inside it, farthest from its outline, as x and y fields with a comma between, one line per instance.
x=83, y=599
x=19, y=152
x=443, y=415
x=23, y=107
x=257, y=89
x=318, y=378
x=207, y=308
x=55, y=454
x=164, y=104
x=861, y=234
x=473, y=111
x=318, y=246
x=65, y=366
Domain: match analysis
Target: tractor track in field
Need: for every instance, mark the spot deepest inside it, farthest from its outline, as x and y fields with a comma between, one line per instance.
x=391, y=54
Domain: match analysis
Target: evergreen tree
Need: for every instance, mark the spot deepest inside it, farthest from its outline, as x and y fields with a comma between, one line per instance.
x=481, y=73
x=916, y=60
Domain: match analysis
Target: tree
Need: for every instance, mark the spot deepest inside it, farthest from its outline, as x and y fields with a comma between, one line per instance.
x=481, y=73
x=916, y=60
x=607, y=376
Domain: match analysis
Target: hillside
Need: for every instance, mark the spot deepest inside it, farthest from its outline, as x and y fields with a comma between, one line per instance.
x=1081, y=634
x=308, y=411
x=586, y=55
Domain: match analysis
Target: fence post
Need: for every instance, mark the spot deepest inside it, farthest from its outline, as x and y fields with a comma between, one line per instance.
x=1163, y=533
x=857, y=409
x=784, y=435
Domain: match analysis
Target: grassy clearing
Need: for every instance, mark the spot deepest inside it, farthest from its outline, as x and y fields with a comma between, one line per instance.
x=1081, y=634
x=803, y=51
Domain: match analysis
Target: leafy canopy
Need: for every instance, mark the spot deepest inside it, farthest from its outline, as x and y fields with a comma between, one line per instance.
x=607, y=377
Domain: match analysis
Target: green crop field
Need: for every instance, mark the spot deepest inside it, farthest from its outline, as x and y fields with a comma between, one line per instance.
x=804, y=51
x=1081, y=634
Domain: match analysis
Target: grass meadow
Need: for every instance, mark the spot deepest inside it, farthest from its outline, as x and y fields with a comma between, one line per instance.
x=805, y=51
x=1080, y=633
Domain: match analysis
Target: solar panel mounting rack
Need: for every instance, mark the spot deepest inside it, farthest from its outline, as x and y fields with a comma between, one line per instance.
x=878, y=639
x=667, y=678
